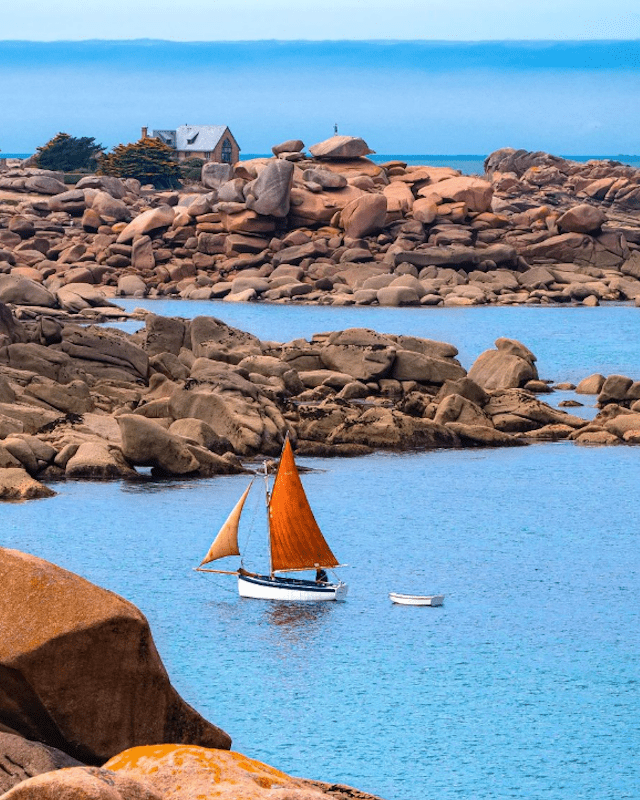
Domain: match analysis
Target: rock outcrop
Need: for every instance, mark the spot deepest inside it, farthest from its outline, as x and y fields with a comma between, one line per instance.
x=316, y=228
x=80, y=672
x=21, y=759
x=184, y=772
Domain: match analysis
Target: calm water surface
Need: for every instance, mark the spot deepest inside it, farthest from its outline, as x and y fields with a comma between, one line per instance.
x=523, y=685
x=569, y=342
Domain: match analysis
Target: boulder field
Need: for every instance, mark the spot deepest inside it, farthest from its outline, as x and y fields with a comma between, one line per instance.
x=200, y=398
x=87, y=710
x=329, y=226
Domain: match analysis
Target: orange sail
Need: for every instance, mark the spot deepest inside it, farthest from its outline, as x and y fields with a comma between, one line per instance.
x=296, y=540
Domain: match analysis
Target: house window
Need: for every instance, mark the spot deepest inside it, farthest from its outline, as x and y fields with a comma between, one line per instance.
x=207, y=155
x=226, y=152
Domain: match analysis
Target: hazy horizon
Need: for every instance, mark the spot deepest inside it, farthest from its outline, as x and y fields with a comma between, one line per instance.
x=402, y=96
x=321, y=20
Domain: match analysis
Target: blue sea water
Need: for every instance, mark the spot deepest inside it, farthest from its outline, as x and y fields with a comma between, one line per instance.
x=400, y=96
x=523, y=685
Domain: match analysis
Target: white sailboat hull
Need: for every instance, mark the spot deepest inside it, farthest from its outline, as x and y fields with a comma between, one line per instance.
x=416, y=599
x=263, y=587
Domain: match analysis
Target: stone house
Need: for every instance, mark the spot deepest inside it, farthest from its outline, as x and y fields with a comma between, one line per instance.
x=210, y=142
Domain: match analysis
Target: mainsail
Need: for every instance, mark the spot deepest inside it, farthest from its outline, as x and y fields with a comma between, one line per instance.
x=226, y=542
x=297, y=542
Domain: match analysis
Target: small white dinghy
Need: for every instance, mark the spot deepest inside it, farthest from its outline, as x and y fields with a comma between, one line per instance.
x=416, y=599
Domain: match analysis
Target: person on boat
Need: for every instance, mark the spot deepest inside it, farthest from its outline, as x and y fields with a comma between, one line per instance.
x=321, y=576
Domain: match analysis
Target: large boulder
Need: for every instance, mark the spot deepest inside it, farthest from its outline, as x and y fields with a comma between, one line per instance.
x=214, y=174
x=71, y=398
x=146, y=443
x=339, y=147
x=153, y=219
x=164, y=334
x=318, y=208
x=233, y=418
x=106, y=183
x=44, y=184
x=17, y=484
x=269, y=193
x=187, y=772
x=361, y=353
x=584, y=218
x=213, y=338
x=510, y=366
x=96, y=460
x=106, y=352
x=21, y=759
x=412, y=366
x=81, y=671
x=475, y=193
x=364, y=215
x=82, y=783
x=109, y=207
x=25, y=292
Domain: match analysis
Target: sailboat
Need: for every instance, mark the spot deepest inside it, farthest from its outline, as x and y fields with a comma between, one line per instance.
x=296, y=543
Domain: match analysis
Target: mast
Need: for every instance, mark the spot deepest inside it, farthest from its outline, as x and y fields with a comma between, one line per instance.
x=267, y=499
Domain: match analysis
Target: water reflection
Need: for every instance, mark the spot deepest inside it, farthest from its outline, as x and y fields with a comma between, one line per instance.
x=297, y=621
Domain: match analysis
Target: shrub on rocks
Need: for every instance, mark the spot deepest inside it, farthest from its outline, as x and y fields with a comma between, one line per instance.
x=147, y=160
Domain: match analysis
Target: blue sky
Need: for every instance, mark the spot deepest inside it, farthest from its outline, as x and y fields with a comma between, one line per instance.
x=209, y=20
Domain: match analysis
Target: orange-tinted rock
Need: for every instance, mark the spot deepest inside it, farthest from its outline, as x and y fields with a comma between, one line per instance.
x=79, y=670
x=183, y=773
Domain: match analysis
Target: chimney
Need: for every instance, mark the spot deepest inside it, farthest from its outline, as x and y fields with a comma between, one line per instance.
x=145, y=132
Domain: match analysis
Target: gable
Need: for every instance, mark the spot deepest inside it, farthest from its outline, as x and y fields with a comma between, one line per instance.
x=198, y=137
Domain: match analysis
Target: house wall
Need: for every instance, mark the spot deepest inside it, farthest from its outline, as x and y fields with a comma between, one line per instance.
x=214, y=155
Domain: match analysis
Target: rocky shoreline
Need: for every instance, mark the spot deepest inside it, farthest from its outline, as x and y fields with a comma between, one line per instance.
x=329, y=227
x=200, y=398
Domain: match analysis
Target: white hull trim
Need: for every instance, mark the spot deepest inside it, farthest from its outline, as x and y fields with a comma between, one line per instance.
x=416, y=599
x=263, y=587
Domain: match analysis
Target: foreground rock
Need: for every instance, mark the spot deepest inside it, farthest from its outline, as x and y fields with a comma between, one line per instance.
x=183, y=772
x=17, y=484
x=21, y=759
x=86, y=679
x=81, y=783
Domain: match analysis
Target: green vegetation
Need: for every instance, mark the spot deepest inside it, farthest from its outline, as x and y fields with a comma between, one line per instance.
x=148, y=160
x=191, y=169
x=67, y=153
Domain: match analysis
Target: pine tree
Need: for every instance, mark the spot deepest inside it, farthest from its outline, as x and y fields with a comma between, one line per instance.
x=68, y=153
x=148, y=160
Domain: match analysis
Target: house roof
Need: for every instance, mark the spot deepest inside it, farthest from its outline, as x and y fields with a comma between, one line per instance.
x=198, y=137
